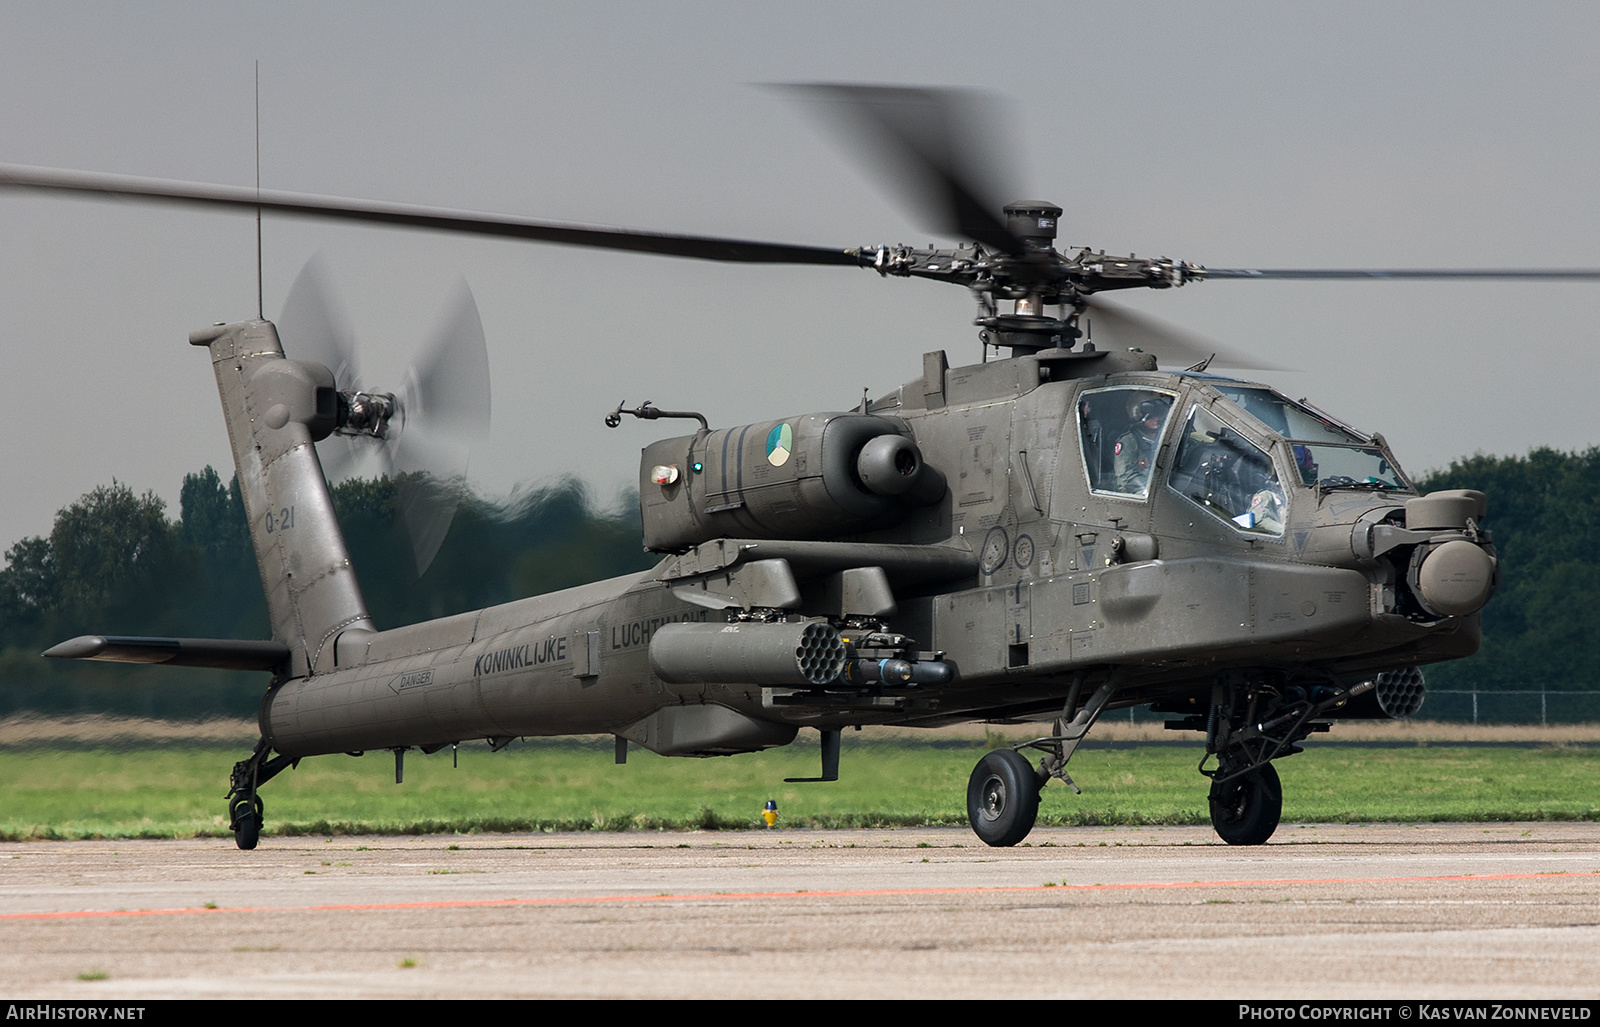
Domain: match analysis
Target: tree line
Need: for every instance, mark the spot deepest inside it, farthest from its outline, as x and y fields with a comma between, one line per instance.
x=1543, y=624
x=115, y=563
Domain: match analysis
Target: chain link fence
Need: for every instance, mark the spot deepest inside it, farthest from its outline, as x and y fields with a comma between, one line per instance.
x=1543, y=706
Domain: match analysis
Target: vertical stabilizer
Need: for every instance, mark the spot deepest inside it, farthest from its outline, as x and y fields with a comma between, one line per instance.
x=277, y=409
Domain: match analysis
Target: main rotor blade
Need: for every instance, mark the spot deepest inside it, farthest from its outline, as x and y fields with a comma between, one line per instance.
x=937, y=148
x=1314, y=274
x=1172, y=346
x=507, y=226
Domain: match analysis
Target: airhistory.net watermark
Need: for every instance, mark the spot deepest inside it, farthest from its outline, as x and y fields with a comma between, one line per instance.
x=71, y=1011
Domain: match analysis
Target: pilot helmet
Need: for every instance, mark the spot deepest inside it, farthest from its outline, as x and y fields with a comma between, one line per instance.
x=1150, y=408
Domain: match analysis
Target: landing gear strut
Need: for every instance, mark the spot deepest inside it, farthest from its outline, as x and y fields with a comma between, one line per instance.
x=1253, y=721
x=246, y=811
x=1003, y=792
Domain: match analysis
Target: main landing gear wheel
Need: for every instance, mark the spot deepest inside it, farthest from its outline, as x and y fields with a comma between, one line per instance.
x=1246, y=810
x=1003, y=798
x=246, y=818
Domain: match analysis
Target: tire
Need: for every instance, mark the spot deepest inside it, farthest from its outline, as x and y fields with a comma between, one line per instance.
x=247, y=823
x=1246, y=810
x=1003, y=798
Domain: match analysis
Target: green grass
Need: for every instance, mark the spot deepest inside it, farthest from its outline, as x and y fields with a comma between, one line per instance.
x=178, y=791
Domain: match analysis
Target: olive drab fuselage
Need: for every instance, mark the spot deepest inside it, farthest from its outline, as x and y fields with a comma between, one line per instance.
x=1030, y=566
x=1044, y=537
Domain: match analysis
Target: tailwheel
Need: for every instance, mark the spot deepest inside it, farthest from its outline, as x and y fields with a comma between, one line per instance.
x=246, y=813
x=1003, y=798
x=1246, y=810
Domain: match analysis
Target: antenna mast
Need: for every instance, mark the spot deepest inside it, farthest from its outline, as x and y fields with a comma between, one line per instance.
x=261, y=305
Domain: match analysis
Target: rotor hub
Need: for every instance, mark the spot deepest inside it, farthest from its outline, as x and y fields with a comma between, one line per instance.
x=1033, y=221
x=366, y=413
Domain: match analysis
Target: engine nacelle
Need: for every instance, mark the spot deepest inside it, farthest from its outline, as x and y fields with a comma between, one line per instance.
x=817, y=476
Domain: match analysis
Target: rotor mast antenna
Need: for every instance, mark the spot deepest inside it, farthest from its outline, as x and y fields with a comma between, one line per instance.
x=261, y=303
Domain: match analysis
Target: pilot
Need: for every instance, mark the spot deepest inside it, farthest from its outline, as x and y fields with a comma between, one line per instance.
x=1305, y=463
x=1134, y=453
x=1266, y=511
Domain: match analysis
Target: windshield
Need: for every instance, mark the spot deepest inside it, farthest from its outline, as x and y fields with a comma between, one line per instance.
x=1335, y=467
x=1326, y=454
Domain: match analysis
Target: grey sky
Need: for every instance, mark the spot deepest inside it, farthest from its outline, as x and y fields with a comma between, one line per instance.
x=1230, y=134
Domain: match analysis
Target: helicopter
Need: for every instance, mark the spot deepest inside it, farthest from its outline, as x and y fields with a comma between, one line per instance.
x=1045, y=536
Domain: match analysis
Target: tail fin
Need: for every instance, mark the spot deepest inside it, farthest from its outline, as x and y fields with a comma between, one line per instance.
x=276, y=410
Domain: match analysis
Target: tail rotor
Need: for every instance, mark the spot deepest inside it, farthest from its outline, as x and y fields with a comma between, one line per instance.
x=422, y=433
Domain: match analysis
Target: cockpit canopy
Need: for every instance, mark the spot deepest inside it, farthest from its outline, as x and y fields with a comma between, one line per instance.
x=1326, y=453
x=1237, y=457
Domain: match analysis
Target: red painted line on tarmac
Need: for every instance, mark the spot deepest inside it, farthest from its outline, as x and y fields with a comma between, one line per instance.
x=853, y=893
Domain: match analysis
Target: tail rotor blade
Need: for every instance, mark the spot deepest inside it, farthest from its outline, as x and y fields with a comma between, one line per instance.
x=341, y=457
x=426, y=504
x=313, y=325
x=444, y=413
x=427, y=508
x=450, y=384
x=441, y=407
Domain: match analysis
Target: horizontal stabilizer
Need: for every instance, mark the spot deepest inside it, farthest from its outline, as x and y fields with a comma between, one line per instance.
x=217, y=653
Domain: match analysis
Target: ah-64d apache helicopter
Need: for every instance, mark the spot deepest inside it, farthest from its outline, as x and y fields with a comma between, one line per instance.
x=1046, y=536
